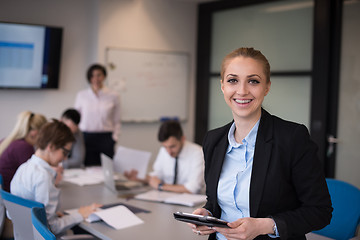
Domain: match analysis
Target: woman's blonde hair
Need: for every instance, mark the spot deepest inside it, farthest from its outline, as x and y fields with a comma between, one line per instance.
x=26, y=122
x=250, y=53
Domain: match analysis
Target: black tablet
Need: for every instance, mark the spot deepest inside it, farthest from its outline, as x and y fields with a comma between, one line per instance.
x=200, y=220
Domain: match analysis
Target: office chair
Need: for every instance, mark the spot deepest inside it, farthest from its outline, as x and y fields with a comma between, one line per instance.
x=345, y=200
x=19, y=211
x=2, y=208
x=40, y=229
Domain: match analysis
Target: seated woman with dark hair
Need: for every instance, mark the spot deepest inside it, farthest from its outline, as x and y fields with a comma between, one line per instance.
x=35, y=179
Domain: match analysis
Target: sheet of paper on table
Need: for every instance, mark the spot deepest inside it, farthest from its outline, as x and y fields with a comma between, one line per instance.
x=185, y=199
x=88, y=176
x=118, y=217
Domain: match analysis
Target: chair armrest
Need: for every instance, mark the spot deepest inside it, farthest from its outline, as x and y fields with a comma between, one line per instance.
x=78, y=237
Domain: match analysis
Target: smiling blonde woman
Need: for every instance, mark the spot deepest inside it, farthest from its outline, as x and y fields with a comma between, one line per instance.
x=262, y=173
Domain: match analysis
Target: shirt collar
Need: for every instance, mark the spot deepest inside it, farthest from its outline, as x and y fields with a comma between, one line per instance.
x=249, y=140
x=181, y=153
x=43, y=163
x=101, y=91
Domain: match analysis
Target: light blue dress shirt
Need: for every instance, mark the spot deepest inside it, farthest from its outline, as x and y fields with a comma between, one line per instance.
x=234, y=183
x=35, y=180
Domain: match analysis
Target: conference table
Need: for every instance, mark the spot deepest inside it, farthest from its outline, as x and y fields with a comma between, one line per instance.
x=158, y=224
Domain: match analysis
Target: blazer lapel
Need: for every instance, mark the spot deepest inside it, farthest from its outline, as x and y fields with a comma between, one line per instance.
x=261, y=160
x=217, y=163
x=219, y=156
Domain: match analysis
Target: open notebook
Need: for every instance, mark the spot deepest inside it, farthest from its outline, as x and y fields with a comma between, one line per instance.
x=185, y=199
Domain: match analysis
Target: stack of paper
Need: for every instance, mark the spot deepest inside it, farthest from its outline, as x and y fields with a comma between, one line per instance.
x=185, y=199
x=88, y=176
x=118, y=217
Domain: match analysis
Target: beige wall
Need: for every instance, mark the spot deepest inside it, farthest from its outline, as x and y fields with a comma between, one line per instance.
x=89, y=27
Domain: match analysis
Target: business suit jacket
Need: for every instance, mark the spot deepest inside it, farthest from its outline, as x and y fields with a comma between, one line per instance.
x=287, y=181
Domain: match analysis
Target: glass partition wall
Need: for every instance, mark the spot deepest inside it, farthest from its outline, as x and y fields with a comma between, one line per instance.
x=282, y=31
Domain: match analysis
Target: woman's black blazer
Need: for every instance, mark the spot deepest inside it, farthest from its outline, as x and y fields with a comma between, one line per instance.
x=287, y=180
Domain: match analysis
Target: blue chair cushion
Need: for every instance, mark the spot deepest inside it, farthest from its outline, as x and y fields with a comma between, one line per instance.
x=345, y=200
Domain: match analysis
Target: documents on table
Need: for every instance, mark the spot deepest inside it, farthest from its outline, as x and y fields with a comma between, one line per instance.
x=118, y=217
x=185, y=199
x=126, y=159
x=88, y=176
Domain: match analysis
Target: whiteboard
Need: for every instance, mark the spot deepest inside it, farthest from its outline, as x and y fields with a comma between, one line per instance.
x=152, y=85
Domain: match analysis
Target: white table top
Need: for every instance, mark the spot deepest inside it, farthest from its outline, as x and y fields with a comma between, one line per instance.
x=159, y=224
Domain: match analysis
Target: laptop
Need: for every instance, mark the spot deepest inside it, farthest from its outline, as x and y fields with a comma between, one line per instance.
x=117, y=182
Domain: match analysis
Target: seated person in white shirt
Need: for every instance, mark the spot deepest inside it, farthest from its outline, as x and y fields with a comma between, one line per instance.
x=35, y=179
x=189, y=177
x=71, y=117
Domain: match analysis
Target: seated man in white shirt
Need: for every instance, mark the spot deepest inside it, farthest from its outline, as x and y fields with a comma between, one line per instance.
x=179, y=166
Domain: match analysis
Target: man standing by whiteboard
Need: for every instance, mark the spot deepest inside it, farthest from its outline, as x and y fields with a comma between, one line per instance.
x=179, y=166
